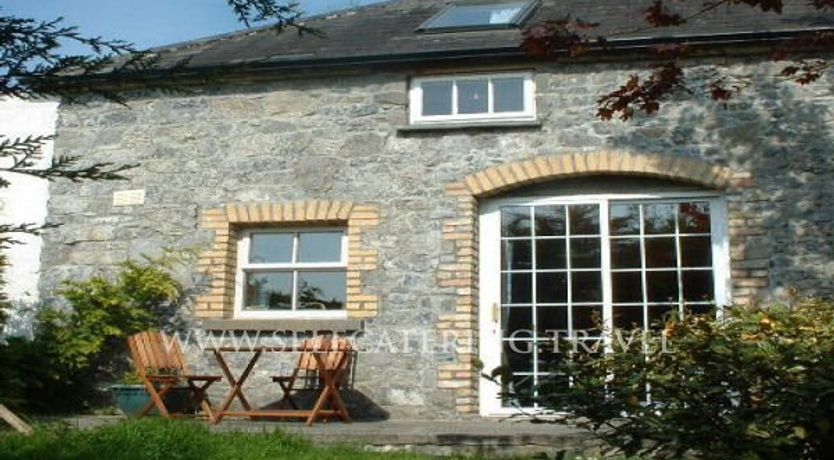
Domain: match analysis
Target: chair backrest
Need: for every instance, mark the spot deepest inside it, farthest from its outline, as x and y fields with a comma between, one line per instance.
x=156, y=353
x=338, y=352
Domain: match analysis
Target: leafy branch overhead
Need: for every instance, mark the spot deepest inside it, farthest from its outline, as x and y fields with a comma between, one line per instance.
x=574, y=37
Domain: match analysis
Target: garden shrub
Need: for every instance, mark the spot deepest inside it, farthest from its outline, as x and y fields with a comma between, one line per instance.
x=77, y=347
x=758, y=385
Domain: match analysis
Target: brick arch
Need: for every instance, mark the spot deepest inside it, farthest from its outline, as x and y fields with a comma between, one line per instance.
x=460, y=275
x=551, y=167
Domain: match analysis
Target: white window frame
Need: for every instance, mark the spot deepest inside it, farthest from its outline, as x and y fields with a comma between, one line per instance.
x=490, y=349
x=416, y=116
x=243, y=266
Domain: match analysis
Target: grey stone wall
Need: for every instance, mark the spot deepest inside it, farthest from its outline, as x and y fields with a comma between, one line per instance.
x=336, y=138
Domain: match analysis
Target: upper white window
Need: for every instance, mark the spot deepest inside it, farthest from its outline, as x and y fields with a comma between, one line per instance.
x=291, y=273
x=476, y=17
x=506, y=96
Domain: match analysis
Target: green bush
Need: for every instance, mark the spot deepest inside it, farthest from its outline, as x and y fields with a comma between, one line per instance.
x=758, y=385
x=76, y=348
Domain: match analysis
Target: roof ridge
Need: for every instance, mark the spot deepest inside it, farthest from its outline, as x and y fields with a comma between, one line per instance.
x=259, y=29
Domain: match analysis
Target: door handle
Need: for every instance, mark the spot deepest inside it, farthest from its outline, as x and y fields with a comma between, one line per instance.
x=496, y=313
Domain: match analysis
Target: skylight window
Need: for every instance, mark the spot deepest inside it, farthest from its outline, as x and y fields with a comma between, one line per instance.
x=476, y=17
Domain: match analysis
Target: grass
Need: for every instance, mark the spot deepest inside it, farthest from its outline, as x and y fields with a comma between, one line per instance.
x=149, y=439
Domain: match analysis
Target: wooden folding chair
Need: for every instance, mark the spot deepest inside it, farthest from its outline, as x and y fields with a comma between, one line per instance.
x=159, y=362
x=337, y=356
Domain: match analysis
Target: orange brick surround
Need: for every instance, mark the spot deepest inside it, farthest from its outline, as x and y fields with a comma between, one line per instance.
x=461, y=231
x=218, y=263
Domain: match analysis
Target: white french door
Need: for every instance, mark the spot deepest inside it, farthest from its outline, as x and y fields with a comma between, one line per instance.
x=566, y=265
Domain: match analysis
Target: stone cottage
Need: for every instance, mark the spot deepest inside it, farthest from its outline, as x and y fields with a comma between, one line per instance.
x=413, y=176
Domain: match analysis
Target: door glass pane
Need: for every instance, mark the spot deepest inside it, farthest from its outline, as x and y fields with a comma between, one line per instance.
x=517, y=322
x=516, y=288
x=517, y=391
x=588, y=319
x=586, y=287
x=551, y=320
x=696, y=251
x=551, y=254
x=698, y=286
x=627, y=287
x=659, y=218
x=551, y=287
x=661, y=253
x=585, y=253
x=625, y=219
x=515, y=221
x=268, y=291
x=662, y=286
x=584, y=219
x=516, y=255
x=625, y=253
x=550, y=220
x=270, y=248
x=694, y=217
x=518, y=356
x=320, y=247
x=509, y=94
x=437, y=98
x=321, y=290
x=628, y=317
x=472, y=96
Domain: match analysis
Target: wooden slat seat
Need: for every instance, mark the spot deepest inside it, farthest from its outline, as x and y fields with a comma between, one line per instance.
x=159, y=361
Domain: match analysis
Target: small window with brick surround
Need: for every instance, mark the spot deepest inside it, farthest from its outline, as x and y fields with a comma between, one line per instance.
x=286, y=273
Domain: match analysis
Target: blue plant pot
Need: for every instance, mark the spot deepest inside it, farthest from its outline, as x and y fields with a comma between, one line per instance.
x=131, y=399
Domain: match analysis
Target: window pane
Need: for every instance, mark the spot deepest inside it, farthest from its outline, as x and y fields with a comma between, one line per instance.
x=321, y=290
x=477, y=15
x=516, y=288
x=518, y=391
x=272, y=291
x=550, y=220
x=585, y=253
x=628, y=317
x=586, y=287
x=552, y=287
x=584, y=219
x=437, y=98
x=517, y=322
x=627, y=287
x=508, y=94
x=661, y=253
x=625, y=253
x=694, y=217
x=472, y=96
x=518, y=356
x=551, y=320
x=625, y=219
x=515, y=221
x=320, y=247
x=659, y=218
x=551, y=254
x=270, y=248
x=696, y=251
x=698, y=285
x=516, y=255
x=662, y=286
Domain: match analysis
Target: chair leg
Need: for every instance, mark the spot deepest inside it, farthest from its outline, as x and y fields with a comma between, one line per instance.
x=157, y=399
x=287, y=389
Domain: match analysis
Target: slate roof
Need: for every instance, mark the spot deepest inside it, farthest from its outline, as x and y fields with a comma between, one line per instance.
x=386, y=32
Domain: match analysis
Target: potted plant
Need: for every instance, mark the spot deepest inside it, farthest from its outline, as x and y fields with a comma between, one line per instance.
x=131, y=397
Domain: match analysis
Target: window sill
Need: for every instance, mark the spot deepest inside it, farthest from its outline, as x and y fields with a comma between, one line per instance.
x=470, y=125
x=289, y=325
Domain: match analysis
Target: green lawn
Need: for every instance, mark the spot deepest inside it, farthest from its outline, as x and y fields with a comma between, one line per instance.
x=165, y=440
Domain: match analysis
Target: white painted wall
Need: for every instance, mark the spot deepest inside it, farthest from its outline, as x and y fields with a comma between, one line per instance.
x=25, y=201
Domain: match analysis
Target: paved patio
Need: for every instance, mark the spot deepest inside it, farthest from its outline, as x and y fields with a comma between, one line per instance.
x=494, y=438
